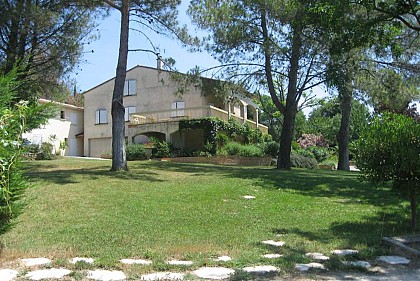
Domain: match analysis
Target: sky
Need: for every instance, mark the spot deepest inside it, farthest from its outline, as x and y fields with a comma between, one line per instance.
x=100, y=65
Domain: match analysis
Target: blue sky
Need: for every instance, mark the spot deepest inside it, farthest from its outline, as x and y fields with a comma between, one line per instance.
x=100, y=65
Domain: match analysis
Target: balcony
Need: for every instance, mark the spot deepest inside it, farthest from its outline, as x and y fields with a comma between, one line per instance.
x=174, y=115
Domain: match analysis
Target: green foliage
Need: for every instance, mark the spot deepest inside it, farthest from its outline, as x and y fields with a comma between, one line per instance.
x=389, y=150
x=320, y=153
x=244, y=150
x=61, y=27
x=272, y=148
x=45, y=152
x=13, y=122
x=161, y=149
x=217, y=131
x=325, y=120
x=301, y=161
x=303, y=152
x=135, y=151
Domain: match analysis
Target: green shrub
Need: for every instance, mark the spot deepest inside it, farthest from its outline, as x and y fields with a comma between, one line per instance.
x=320, y=153
x=300, y=161
x=304, y=152
x=232, y=148
x=250, y=150
x=135, y=151
x=237, y=149
x=46, y=152
x=272, y=148
x=389, y=150
x=162, y=149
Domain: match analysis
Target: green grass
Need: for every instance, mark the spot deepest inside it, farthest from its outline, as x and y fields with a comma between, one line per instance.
x=162, y=210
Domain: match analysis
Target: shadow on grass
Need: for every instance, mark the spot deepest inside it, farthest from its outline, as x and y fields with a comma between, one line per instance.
x=54, y=174
x=345, y=186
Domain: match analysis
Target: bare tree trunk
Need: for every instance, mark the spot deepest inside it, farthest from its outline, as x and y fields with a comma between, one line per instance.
x=286, y=139
x=343, y=135
x=291, y=103
x=119, y=159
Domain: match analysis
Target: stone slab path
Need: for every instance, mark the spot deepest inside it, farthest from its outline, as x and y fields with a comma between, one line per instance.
x=39, y=268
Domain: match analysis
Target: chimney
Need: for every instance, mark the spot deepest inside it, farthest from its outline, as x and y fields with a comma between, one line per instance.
x=159, y=61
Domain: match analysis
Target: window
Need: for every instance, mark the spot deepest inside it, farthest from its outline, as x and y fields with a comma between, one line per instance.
x=62, y=114
x=130, y=88
x=129, y=110
x=101, y=116
x=177, y=109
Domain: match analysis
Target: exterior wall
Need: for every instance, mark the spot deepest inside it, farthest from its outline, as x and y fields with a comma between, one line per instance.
x=154, y=92
x=59, y=130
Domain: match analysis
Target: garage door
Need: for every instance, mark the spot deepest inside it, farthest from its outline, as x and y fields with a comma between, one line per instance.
x=97, y=147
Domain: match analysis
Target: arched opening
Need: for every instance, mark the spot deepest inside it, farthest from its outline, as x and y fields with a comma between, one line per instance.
x=145, y=137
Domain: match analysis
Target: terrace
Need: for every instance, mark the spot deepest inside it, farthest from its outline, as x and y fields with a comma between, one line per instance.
x=173, y=115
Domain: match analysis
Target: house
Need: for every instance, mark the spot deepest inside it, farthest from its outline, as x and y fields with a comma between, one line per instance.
x=153, y=109
x=64, y=130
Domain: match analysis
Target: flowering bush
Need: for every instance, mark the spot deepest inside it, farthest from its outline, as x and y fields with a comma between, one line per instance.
x=312, y=140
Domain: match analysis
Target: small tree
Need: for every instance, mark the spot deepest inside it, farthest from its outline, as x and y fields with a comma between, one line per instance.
x=13, y=122
x=389, y=150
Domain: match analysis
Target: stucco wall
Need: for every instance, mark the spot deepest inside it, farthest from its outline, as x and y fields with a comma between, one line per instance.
x=155, y=91
x=61, y=129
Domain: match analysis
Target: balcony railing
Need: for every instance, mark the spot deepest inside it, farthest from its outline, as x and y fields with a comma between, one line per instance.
x=189, y=113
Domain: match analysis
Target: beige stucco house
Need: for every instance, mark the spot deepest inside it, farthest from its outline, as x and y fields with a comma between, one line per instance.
x=66, y=127
x=153, y=108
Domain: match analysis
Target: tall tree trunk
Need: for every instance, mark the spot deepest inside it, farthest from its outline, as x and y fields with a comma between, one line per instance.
x=286, y=138
x=119, y=159
x=413, y=205
x=343, y=135
x=292, y=98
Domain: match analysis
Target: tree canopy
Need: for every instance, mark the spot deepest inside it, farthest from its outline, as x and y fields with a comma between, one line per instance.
x=44, y=39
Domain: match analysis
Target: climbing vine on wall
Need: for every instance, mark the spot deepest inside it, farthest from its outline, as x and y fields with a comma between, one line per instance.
x=212, y=128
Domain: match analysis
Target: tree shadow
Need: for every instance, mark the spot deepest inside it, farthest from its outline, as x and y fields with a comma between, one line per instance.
x=50, y=173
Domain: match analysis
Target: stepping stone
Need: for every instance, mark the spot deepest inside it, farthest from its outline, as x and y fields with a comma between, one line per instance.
x=345, y=252
x=223, y=258
x=307, y=266
x=133, y=261
x=86, y=260
x=176, y=262
x=317, y=256
x=215, y=273
x=53, y=273
x=261, y=269
x=249, y=197
x=106, y=275
x=274, y=243
x=272, y=256
x=35, y=261
x=394, y=259
x=8, y=274
x=162, y=276
x=363, y=264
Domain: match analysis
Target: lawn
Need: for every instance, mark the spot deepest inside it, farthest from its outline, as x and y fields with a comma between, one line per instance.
x=163, y=210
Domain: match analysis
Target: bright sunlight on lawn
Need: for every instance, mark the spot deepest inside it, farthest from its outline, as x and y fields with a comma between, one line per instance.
x=162, y=210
